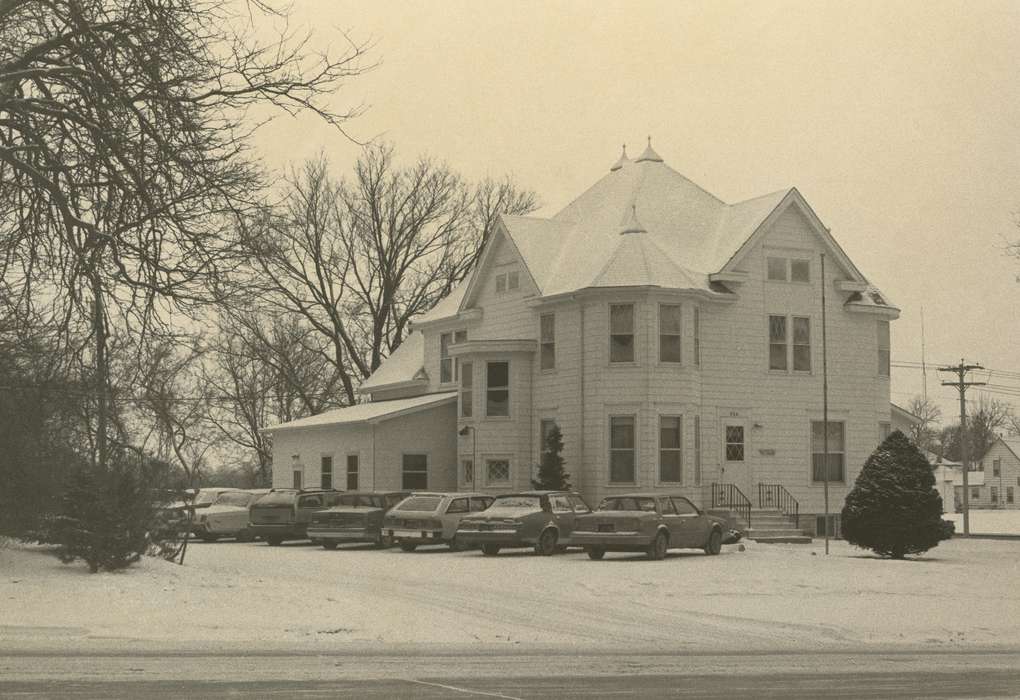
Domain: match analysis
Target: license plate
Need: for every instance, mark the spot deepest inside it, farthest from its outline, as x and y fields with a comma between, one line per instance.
x=405, y=533
x=606, y=527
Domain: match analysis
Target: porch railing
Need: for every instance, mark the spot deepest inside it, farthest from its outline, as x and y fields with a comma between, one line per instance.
x=776, y=496
x=729, y=496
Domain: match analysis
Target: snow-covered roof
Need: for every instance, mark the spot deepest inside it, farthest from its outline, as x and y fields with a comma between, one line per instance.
x=447, y=306
x=1013, y=443
x=973, y=479
x=374, y=412
x=400, y=367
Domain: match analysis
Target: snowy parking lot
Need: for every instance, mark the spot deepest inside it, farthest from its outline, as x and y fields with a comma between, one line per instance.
x=960, y=594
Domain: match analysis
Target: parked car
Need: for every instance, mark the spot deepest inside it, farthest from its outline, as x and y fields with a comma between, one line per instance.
x=431, y=518
x=228, y=516
x=357, y=517
x=207, y=495
x=284, y=514
x=650, y=523
x=542, y=519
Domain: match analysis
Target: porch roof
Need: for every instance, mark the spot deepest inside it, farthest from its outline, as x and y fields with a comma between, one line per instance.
x=373, y=412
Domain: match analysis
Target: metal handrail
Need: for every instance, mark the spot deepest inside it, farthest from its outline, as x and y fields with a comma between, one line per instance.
x=776, y=496
x=729, y=496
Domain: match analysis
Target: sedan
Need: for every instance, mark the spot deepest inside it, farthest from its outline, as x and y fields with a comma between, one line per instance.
x=431, y=518
x=540, y=519
x=650, y=523
x=357, y=517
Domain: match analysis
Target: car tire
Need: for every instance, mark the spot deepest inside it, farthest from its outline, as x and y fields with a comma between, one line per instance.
x=714, y=545
x=490, y=550
x=408, y=546
x=657, y=549
x=546, y=543
x=329, y=545
x=384, y=542
x=595, y=553
x=274, y=541
x=455, y=546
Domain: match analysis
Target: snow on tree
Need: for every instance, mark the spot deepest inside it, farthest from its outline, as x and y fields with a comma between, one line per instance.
x=894, y=508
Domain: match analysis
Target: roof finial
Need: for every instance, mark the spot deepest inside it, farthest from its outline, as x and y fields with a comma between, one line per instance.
x=649, y=154
x=632, y=225
x=623, y=159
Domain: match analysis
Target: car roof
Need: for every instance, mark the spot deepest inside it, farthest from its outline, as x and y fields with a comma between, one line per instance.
x=647, y=494
x=376, y=493
x=538, y=493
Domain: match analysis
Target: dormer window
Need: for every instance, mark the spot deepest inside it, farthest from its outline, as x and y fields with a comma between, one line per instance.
x=508, y=281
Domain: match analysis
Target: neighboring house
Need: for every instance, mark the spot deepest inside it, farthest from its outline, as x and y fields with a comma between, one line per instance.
x=976, y=485
x=902, y=420
x=948, y=481
x=1001, y=468
x=673, y=338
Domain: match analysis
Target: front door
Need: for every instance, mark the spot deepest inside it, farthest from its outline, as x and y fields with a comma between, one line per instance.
x=737, y=468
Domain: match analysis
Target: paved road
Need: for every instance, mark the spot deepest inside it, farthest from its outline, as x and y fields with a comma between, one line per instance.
x=189, y=674
x=996, y=684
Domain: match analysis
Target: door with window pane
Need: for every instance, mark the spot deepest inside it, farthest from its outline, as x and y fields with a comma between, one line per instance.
x=737, y=465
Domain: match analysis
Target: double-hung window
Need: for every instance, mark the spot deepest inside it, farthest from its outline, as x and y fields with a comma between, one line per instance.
x=415, y=472
x=547, y=331
x=497, y=389
x=671, y=463
x=697, y=450
x=884, y=355
x=326, y=472
x=353, y=467
x=801, y=344
x=777, y=342
x=622, y=462
x=448, y=364
x=697, y=336
x=670, y=333
x=467, y=394
x=996, y=467
x=837, y=451
x=621, y=333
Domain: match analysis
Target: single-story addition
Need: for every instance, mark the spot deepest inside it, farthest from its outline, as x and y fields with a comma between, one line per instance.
x=384, y=445
x=1001, y=468
x=674, y=339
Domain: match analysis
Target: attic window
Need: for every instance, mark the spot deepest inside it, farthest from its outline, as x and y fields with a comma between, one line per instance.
x=500, y=284
x=512, y=281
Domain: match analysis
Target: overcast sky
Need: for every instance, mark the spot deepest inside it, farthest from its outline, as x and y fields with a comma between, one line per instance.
x=899, y=122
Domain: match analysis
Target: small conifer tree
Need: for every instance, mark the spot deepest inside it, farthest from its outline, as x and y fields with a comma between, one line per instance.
x=894, y=508
x=551, y=476
x=106, y=516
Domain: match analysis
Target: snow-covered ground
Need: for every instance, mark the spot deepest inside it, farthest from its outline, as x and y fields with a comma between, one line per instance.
x=243, y=596
x=998, y=522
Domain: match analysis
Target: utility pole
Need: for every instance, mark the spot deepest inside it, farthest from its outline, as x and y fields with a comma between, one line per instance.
x=961, y=385
x=825, y=411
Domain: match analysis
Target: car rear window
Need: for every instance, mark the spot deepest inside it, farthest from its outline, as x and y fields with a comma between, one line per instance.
x=278, y=497
x=628, y=503
x=204, y=496
x=517, y=502
x=234, y=498
x=361, y=500
x=421, y=503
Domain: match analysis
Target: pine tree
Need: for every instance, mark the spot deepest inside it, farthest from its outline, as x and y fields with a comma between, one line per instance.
x=551, y=476
x=894, y=508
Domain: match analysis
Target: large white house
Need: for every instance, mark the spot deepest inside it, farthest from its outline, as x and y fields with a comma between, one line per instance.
x=675, y=339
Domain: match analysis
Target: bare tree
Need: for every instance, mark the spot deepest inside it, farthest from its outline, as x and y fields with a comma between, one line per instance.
x=175, y=405
x=265, y=370
x=925, y=434
x=984, y=424
x=356, y=259
x=123, y=159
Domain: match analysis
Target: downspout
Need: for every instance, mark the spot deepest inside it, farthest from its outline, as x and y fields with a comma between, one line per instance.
x=373, y=456
x=581, y=436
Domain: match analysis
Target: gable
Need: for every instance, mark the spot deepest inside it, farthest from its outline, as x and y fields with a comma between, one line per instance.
x=499, y=259
x=793, y=221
